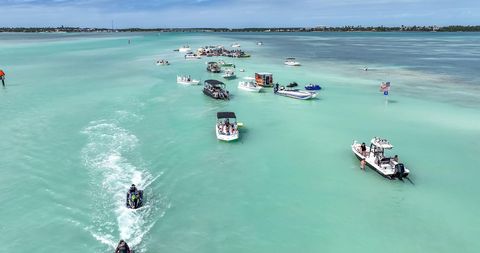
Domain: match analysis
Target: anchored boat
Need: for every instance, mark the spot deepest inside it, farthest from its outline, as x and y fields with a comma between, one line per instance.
x=216, y=89
x=187, y=80
x=192, y=56
x=225, y=64
x=226, y=127
x=184, y=49
x=229, y=74
x=293, y=93
x=248, y=84
x=213, y=67
x=374, y=156
x=264, y=79
x=291, y=62
x=162, y=62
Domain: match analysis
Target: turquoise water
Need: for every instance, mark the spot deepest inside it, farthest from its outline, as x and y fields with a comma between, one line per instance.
x=86, y=115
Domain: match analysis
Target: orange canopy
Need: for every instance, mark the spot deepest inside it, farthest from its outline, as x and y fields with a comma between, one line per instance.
x=2, y=73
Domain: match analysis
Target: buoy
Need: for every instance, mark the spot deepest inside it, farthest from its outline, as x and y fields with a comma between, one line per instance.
x=239, y=124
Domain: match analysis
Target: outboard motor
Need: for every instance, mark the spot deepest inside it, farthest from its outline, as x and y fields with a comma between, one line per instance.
x=399, y=170
x=275, y=89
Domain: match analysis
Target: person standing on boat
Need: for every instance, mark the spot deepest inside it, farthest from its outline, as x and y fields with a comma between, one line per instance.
x=363, y=149
x=395, y=158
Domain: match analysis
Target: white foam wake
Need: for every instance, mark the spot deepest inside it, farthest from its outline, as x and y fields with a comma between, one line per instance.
x=108, y=156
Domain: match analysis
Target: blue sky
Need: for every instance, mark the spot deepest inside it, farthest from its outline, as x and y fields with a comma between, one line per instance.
x=237, y=13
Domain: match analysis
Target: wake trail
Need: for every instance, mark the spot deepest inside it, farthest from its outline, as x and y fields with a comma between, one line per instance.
x=107, y=155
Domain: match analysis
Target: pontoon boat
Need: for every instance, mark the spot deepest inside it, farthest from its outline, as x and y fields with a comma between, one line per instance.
x=215, y=89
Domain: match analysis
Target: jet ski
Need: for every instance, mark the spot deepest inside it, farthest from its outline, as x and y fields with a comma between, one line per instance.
x=134, y=198
x=294, y=84
x=122, y=247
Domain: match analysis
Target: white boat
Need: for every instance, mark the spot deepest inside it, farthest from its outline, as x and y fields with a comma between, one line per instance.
x=229, y=74
x=374, y=156
x=291, y=62
x=192, y=56
x=294, y=93
x=249, y=85
x=162, y=62
x=225, y=129
x=184, y=49
x=235, y=45
x=187, y=80
x=259, y=43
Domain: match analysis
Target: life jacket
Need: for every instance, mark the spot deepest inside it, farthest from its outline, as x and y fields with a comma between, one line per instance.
x=2, y=73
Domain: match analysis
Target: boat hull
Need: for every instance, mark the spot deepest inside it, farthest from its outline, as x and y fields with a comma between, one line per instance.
x=250, y=89
x=194, y=82
x=296, y=95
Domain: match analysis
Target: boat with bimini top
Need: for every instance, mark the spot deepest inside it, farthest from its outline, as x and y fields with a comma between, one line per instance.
x=216, y=89
x=226, y=127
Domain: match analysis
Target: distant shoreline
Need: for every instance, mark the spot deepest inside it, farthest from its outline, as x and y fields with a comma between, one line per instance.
x=264, y=30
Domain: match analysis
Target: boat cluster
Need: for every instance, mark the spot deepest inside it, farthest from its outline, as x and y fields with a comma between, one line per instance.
x=210, y=51
x=227, y=128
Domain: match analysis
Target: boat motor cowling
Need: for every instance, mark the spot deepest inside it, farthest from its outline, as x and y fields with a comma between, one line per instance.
x=399, y=170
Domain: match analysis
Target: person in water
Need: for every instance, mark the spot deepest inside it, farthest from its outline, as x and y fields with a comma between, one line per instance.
x=362, y=164
x=122, y=247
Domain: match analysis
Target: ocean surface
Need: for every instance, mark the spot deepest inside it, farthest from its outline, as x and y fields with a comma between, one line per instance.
x=85, y=115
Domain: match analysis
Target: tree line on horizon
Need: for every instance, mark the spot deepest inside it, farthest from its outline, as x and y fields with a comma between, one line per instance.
x=452, y=28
